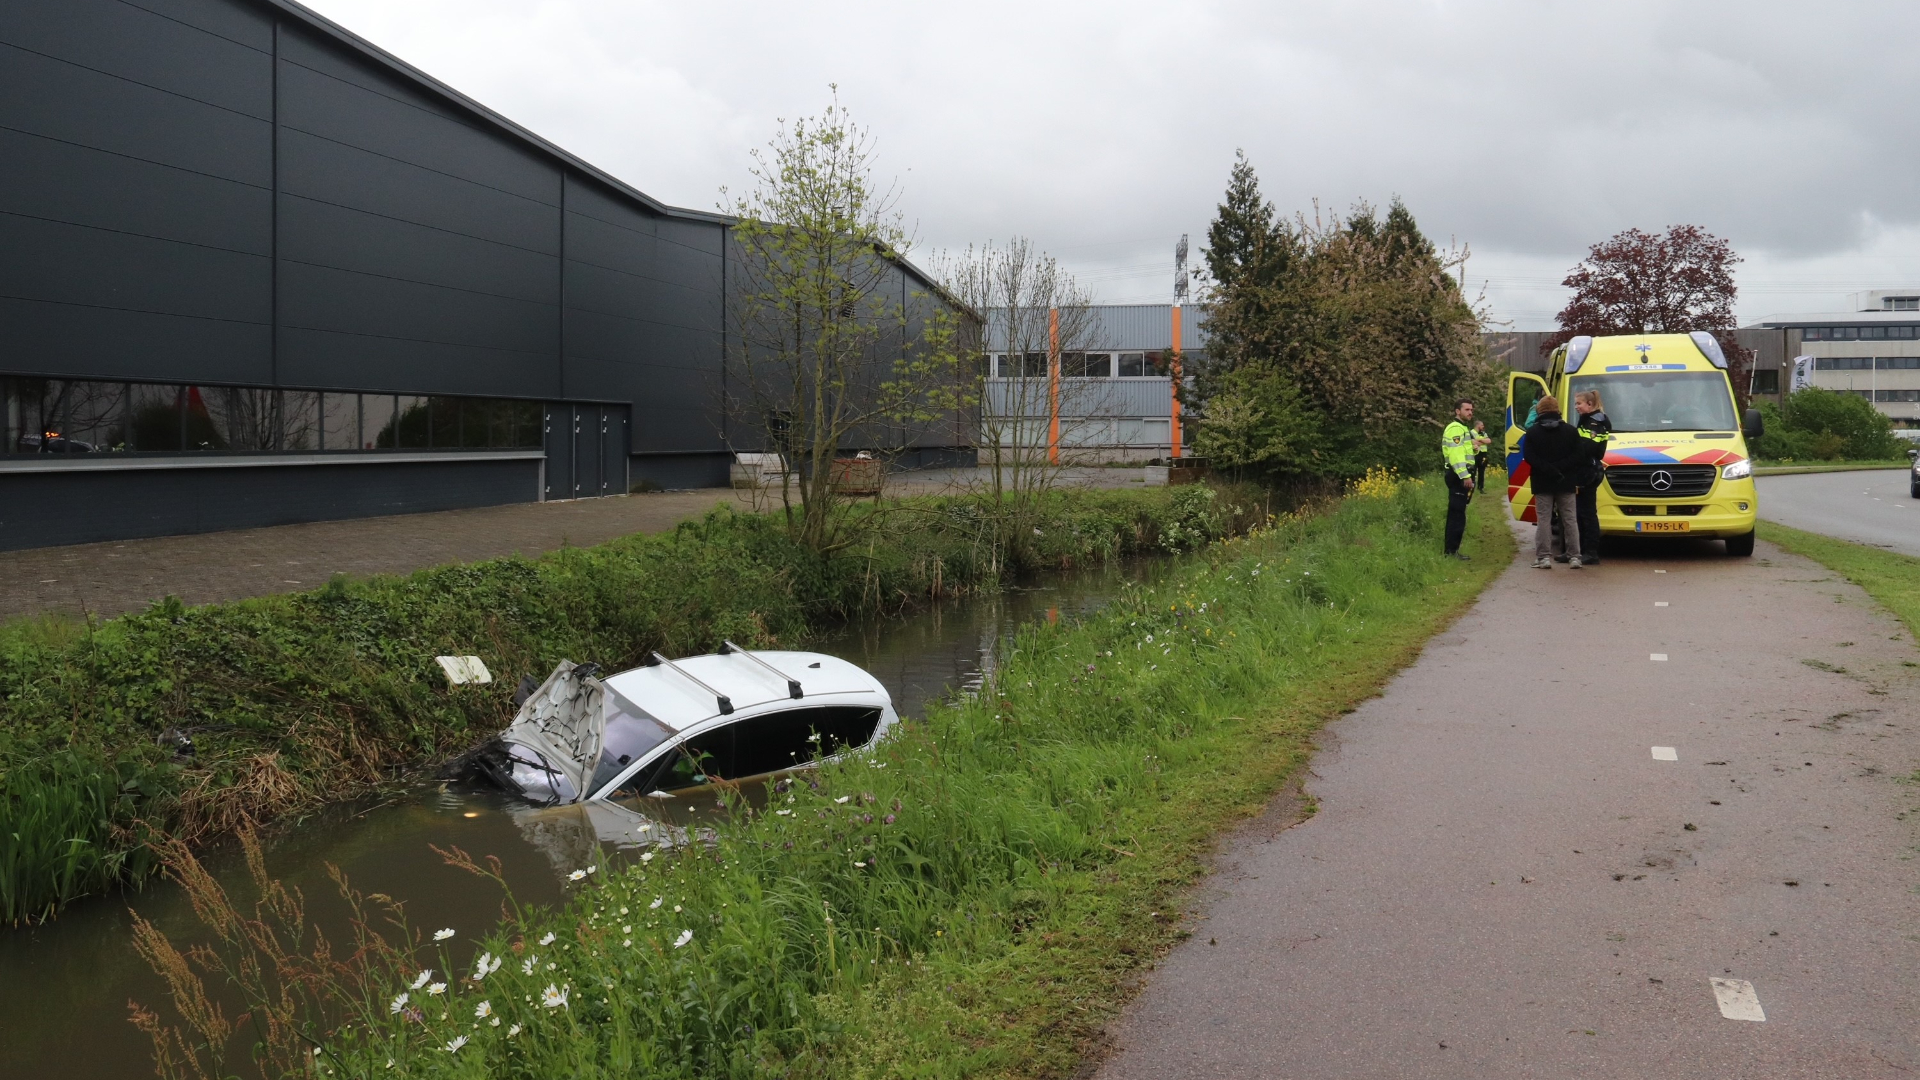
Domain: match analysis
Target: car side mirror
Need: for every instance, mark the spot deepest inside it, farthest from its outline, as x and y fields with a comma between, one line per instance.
x=1754, y=427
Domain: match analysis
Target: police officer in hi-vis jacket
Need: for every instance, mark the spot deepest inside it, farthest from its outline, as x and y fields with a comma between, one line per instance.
x=1456, y=448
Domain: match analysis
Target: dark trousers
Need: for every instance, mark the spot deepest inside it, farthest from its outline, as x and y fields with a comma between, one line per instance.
x=1586, y=511
x=1457, y=498
x=1480, y=472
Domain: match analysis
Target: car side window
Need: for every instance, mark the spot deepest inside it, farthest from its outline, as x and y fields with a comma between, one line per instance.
x=794, y=737
x=696, y=761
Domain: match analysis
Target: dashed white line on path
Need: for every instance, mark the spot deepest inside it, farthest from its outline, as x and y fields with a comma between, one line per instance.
x=1665, y=753
x=1657, y=656
x=1659, y=603
x=1737, y=999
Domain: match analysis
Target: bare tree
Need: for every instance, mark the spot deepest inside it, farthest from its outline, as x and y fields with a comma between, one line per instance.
x=832, y=350
x=1037, y=401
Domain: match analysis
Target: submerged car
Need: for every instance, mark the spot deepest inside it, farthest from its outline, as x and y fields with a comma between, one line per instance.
x=673, y=727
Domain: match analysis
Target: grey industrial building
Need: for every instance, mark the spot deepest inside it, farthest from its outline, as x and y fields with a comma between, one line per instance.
x=255, y=270
x=1872, y=350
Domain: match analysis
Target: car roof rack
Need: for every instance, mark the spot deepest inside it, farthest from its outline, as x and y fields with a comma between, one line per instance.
x=728, y=648
x=725, y=702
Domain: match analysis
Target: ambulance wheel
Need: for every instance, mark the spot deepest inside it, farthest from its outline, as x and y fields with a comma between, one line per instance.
x=1740, y=546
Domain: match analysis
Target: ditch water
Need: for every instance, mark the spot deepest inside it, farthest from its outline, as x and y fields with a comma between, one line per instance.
x=65, y=986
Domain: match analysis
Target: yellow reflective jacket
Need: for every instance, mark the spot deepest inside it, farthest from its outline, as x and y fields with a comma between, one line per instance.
x=1456, y=448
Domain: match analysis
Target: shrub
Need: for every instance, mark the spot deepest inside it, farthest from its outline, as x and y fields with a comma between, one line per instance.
x=1816, y=424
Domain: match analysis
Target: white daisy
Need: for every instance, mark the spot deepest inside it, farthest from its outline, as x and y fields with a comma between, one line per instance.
x=442, y=935
x=548, y=939
x=398, y=1003
x=455, y=1045
x=685, y=936
x=553, y=997
x=425, y=974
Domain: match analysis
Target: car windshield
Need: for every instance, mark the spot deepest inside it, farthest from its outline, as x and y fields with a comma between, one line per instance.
x=1663, y=400
x=631, y=733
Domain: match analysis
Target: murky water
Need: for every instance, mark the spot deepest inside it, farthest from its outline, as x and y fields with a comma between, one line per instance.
x=65, y=986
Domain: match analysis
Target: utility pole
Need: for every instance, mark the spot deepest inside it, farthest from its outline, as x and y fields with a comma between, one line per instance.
x=1173, y=388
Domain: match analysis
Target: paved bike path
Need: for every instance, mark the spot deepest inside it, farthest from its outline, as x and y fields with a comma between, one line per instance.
x=1500, y=880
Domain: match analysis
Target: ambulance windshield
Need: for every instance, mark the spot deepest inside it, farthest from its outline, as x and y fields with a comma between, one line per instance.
x=1663, y=400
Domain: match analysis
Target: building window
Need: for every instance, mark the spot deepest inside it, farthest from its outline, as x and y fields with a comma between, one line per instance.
x=1086, y=365
x=1900, y=303
x=84, y=416
x=1843, y=363
x=1766, y=381
x=1896, y=395
x=1133, y=365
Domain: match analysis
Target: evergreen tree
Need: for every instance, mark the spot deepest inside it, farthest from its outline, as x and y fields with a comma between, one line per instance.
x=1402, y=235
x=1245, y=243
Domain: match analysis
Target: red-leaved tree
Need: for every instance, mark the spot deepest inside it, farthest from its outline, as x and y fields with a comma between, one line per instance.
x=1650, y=283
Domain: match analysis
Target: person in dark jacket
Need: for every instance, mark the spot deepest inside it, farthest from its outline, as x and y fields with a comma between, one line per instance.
x=1558, y=461
x=1595, y=432
x=1482, y=453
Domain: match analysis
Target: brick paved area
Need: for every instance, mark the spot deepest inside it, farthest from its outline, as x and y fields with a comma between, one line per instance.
x=113, y=578
x=109, y=579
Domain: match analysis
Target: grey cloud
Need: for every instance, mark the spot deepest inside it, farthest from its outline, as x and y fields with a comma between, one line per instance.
x=1525, y=127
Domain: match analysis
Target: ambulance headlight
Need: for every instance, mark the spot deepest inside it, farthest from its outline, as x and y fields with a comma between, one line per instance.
x=1739, y=470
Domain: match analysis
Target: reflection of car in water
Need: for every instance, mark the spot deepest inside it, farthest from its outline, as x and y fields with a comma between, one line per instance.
x=672, y=728
x=1678, y=463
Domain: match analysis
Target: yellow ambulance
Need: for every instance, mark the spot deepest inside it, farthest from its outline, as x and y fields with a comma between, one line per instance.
x=1678, y=464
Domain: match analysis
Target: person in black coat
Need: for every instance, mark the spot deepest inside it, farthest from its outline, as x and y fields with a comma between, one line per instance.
x=1558, y=461
x=1595, y=432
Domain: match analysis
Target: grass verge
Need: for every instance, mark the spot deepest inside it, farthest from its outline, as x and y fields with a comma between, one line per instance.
x=292, y=701
x=976, y=900
x=1788, y=468
x=1890, y=578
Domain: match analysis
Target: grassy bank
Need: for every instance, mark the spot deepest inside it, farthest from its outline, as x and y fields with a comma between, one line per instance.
x=971, y=902
x=1788, y=468
x=295, y=700
x=1888, y=577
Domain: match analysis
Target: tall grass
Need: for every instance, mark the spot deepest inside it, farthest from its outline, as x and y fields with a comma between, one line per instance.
x=57, y=834
x=824, y=935
x=296, y=700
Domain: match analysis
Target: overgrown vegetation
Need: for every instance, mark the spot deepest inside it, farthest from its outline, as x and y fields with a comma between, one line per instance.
x=1332, y=345
x=970, y=902
x=291, y=701
x=1827, y=425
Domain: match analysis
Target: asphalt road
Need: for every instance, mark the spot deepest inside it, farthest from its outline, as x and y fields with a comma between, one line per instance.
x=1871, y=507
x=1504, y=878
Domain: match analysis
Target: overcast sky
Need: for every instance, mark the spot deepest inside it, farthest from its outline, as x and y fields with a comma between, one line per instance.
x=1527, y=130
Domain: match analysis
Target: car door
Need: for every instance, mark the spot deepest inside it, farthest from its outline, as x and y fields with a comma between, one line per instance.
x=1524, y=390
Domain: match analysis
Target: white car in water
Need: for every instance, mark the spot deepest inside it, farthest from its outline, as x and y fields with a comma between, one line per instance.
x=674, y=727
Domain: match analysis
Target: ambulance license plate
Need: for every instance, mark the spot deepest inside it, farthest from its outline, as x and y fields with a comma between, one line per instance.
x=1661, y=526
